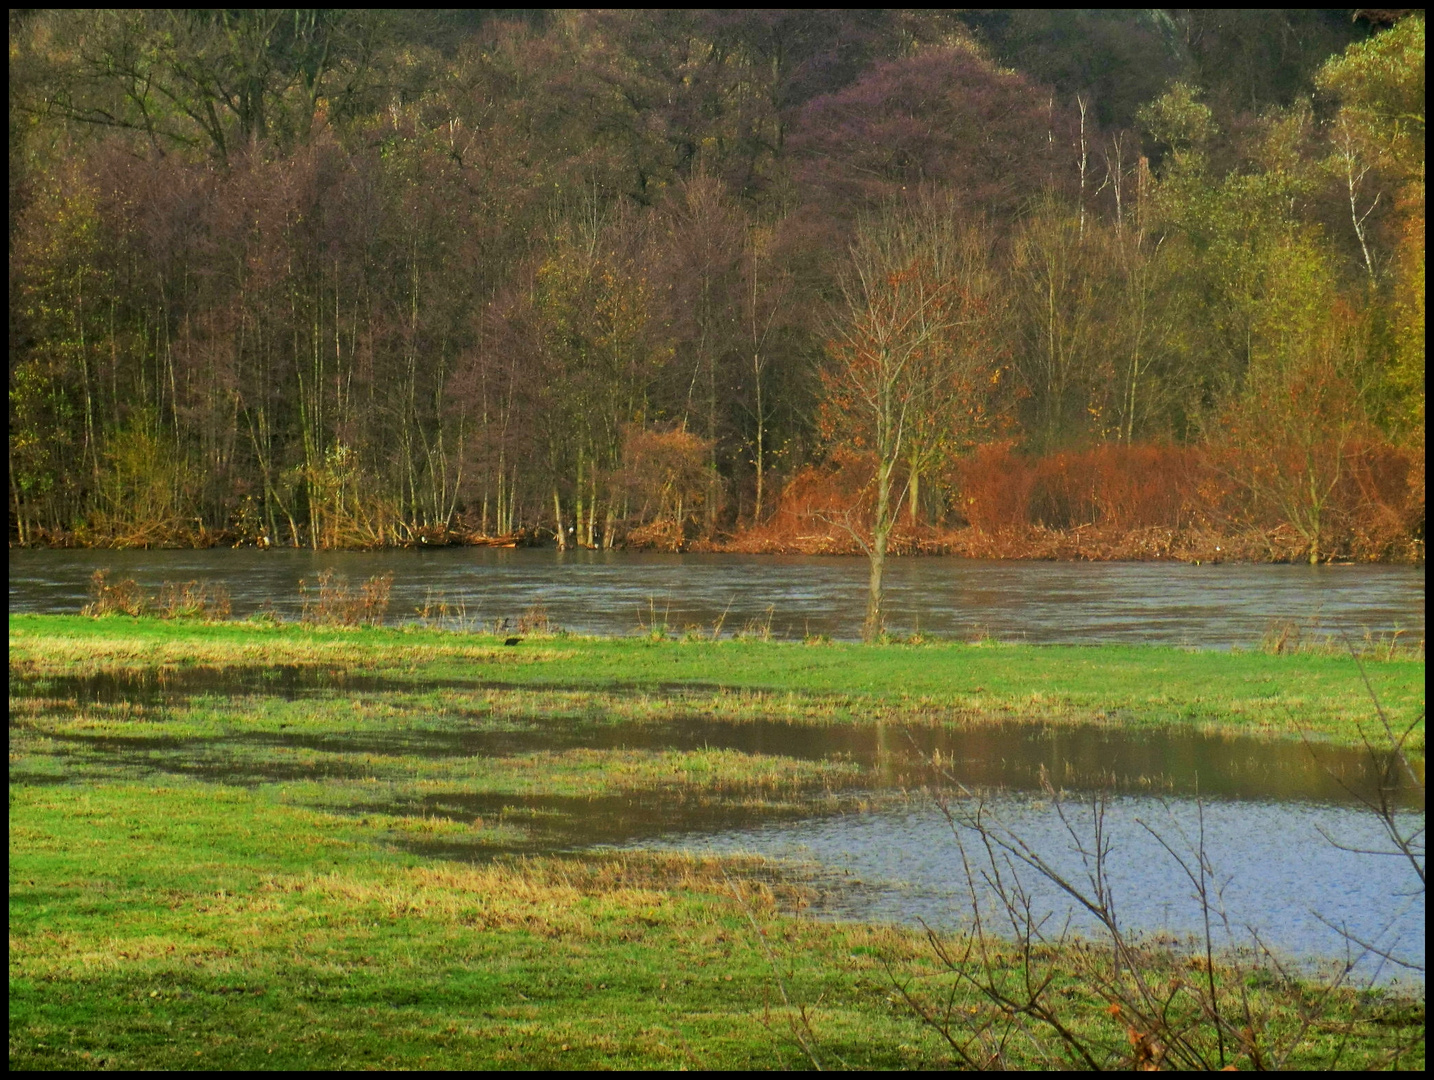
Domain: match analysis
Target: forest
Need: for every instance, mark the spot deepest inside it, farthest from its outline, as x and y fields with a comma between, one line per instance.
x=1136, y=283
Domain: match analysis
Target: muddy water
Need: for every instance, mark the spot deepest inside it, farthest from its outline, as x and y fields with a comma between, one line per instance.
x=903, y=756
x=792, y=596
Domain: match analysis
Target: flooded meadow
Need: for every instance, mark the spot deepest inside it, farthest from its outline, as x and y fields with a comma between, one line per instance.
x=851, y=809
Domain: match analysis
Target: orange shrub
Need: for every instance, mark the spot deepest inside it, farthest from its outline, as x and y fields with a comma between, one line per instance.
x=1379, y=501
x=666, y=477
x=993, y=488
x=1127, y=487
x=819, y=494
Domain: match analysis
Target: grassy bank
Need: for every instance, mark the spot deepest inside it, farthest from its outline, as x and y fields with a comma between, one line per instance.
x=218, y=862
x=1323, y=695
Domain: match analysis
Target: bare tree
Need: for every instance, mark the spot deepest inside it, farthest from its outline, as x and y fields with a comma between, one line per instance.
x=891, y=361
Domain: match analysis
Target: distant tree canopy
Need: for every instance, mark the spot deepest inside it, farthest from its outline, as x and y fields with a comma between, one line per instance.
x=347, y=276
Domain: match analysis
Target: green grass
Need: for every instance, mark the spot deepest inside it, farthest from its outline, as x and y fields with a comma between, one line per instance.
x=235, y=879
x=165, y=927
x=184, y=926
x=1130, y=686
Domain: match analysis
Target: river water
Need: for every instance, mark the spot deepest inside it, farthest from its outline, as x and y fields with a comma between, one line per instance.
x=792, y=596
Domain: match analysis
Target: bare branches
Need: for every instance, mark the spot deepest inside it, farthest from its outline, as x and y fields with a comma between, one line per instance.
x=1037, y=986
x=900, y=375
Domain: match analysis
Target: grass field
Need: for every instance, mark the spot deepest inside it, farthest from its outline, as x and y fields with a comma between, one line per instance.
x=211, y=867
x=1132, y=686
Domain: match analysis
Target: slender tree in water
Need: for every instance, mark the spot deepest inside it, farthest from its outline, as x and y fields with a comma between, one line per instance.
x=897, y=368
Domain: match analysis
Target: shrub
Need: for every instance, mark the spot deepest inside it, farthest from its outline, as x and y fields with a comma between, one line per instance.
x=337, y=605
x=667, y=478
x=124, y=597
x=1115, y=485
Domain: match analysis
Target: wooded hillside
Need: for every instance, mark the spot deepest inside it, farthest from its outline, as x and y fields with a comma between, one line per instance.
x=765, y=278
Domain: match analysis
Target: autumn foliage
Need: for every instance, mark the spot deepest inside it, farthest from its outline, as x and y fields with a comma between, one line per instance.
x=1112, y=501
x=615, y=277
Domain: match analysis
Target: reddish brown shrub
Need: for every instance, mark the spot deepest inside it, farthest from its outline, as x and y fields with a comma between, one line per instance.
x=819, y=495
x=818, y=508
x=667, y=478
x=1148, y=485
x=1379, y=501
x=993, y=488
x=1128, y=487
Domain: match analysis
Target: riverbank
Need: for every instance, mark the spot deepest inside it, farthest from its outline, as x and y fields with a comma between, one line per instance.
x=1085, y=543
x=259, y=845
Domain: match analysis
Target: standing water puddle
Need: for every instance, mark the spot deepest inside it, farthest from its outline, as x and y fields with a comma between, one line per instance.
x=1278, y=869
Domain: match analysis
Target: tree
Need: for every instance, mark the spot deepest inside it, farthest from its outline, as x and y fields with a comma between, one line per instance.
x=1380, y=84
x=1294, y=431
x=1059, y=297
x=889, y=360
x=943, y=116
x=593, y=307
x=211, y=79
x=766, y=294
x=701, y=263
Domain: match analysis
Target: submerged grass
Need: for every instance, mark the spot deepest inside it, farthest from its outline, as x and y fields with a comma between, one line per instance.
x=207, y=874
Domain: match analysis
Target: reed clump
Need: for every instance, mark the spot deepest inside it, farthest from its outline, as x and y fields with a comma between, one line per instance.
x=192, y=600
x=175, y=600
x=122, y=597
x=329, y=600
x=536, y=622
x=1284, y=636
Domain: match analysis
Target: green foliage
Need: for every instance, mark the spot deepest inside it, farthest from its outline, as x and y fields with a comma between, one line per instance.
x=1179, y=120
x=145, y=487
x=1380, y=86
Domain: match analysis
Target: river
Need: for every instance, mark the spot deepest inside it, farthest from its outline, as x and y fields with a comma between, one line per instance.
x=1217, y=606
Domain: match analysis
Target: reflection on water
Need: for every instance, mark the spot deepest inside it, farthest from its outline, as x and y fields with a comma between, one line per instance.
x=1280, y=875
x=900, y=756
x=616, y=592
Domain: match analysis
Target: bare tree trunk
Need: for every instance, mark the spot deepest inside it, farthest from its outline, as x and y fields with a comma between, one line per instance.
x=871, y=630
x=19, y=506
x=558, y=519
x=761, y=434
x=880, y=535
x=592, y=507
x=578, y=504
x=512, y=501
x=915, y=490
